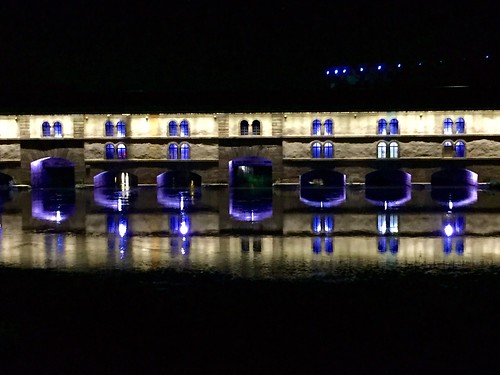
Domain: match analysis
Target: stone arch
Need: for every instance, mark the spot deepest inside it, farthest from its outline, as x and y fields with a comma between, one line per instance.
x=178, y=180
x=454, y=177
x=115, y=180
x=250, y=172
x=52, y=172
x=387, y=177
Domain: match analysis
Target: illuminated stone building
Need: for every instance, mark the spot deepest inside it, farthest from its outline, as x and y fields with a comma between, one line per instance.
x=353, y=143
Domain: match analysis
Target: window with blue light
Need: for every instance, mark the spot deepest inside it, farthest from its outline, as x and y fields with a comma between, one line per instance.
x=381, y=224
x=316, y=127
x=382, y=127
x=460, y=126
x=185, y=151
x=328, y=245
x=244, y=126
x=255, y=127
x=110, y=151
x=121, y=151
x=382, y=150
x=120, y=129
x=316, y=150
x=184, y=128
x=393, y=150
x=109, y=129
x=172, y=151
x=460, y=149
x=57, y=129
x=172, y=129
x=394, y=126
x=316, y=245
x=328, y=127
x=45, y=129
x=448, y=126
x=328, y=150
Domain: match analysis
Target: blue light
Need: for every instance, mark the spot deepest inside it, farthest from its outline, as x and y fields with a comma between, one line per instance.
x=336, y=71
x=379, y=67
x=327, y=72
x=344, y=71
x=361, y=69
x=399, y=65
x=487, y=56
x=420, y=63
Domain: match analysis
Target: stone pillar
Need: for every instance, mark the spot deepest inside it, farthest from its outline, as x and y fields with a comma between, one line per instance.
x=24, y=126
x=277, y=124
x=223, y=124
x=78, y=124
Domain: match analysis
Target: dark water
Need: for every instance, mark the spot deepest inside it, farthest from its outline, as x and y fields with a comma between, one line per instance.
x=271, y=234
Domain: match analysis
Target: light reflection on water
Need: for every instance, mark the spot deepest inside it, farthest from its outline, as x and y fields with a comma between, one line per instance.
x=207, y=231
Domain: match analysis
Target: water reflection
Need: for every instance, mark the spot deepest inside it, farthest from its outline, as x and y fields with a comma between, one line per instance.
x=178, y=199
x=389, y=197
x=298, y=241
x=327, y=197
x=53, y=205
x=455, y=197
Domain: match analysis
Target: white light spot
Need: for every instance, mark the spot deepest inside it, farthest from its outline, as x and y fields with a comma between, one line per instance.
x=448, y=230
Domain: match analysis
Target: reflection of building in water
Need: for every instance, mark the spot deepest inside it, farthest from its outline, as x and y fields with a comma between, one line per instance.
x=180, y=229
x=251, y=243
x=117, y=233
x=388, y=230
x=322, y=227
x=453, y=234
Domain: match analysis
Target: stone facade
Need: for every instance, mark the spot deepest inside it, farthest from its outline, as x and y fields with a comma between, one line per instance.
x=285, y=138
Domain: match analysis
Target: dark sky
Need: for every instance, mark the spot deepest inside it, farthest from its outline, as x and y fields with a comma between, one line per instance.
x=226, y=45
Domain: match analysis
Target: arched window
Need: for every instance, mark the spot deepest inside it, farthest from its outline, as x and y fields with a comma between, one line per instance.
x=255, y=127
x=316, y=127
x=57, y=129
x=448, y=126
x=172, y=129
x=448, y=148
x=121, y=151
x=393, y=150
x=316, y=150
x=244, y=127
x=109, y=129
x=328, y=150
x=184, y=128
x=460, y=149
x=381, y=150
x=394, y=126
x=110, y=151
x=460, y=126
x=328, y=127
x=185, y=151
x=381, y=224
x=45, y=129
x=120, y=129
x=172, y=151
x=382, y=127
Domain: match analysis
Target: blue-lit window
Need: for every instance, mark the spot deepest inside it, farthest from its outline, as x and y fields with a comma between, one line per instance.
x=45, y=129
x=184, y=128
x=460, y=126
x=57, y=129
x=109, y=129
x=120, y=129
x=394, y=126
x=382, y=127
x=328, y=150
x=244, y=127
x=316, y=150
x=448, y=149
x=382, y=150
x=328, y=224
x=393, y=150
x=110, y=151
x=329, y=245
x=448, y=126
x=255, y=127
x=393, y=224
x=316, y=245
x=316, y=127
x=185, y=151
x=172, y=151
x=381, y=224
x=316, y=224
x=460, y=149
x=172, y=129
x=328, y=127
x=121, y=151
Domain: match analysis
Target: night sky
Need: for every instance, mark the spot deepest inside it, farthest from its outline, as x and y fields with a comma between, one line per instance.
x=226, y=45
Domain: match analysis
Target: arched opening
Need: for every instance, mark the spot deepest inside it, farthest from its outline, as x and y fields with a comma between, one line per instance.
x=109, y=129
x=250, y=172
x=382, y=127
x=110, y=151
x=185, y=151
x=393, y=150
x=52, y=173
x=172, y=129
x=452, y=177
x=121, y=151
x=316, y=127
x=460, y=149
x=115, y=180
x=244, y=127
x=394, y=126
x=45, y=129
x=460, y=126
x=448, y=126
x=381, y=150
x=255, y=127
x=329, y=127
x=322, y=188
x=178, y=180
x=316, y=150
x=6, y=181
x=172, y=151
x=53, y=205
x=328, y=150
x=58, y=129
x=448, y=149
x=184, y=128
x=387, y=177
x=121, y=130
